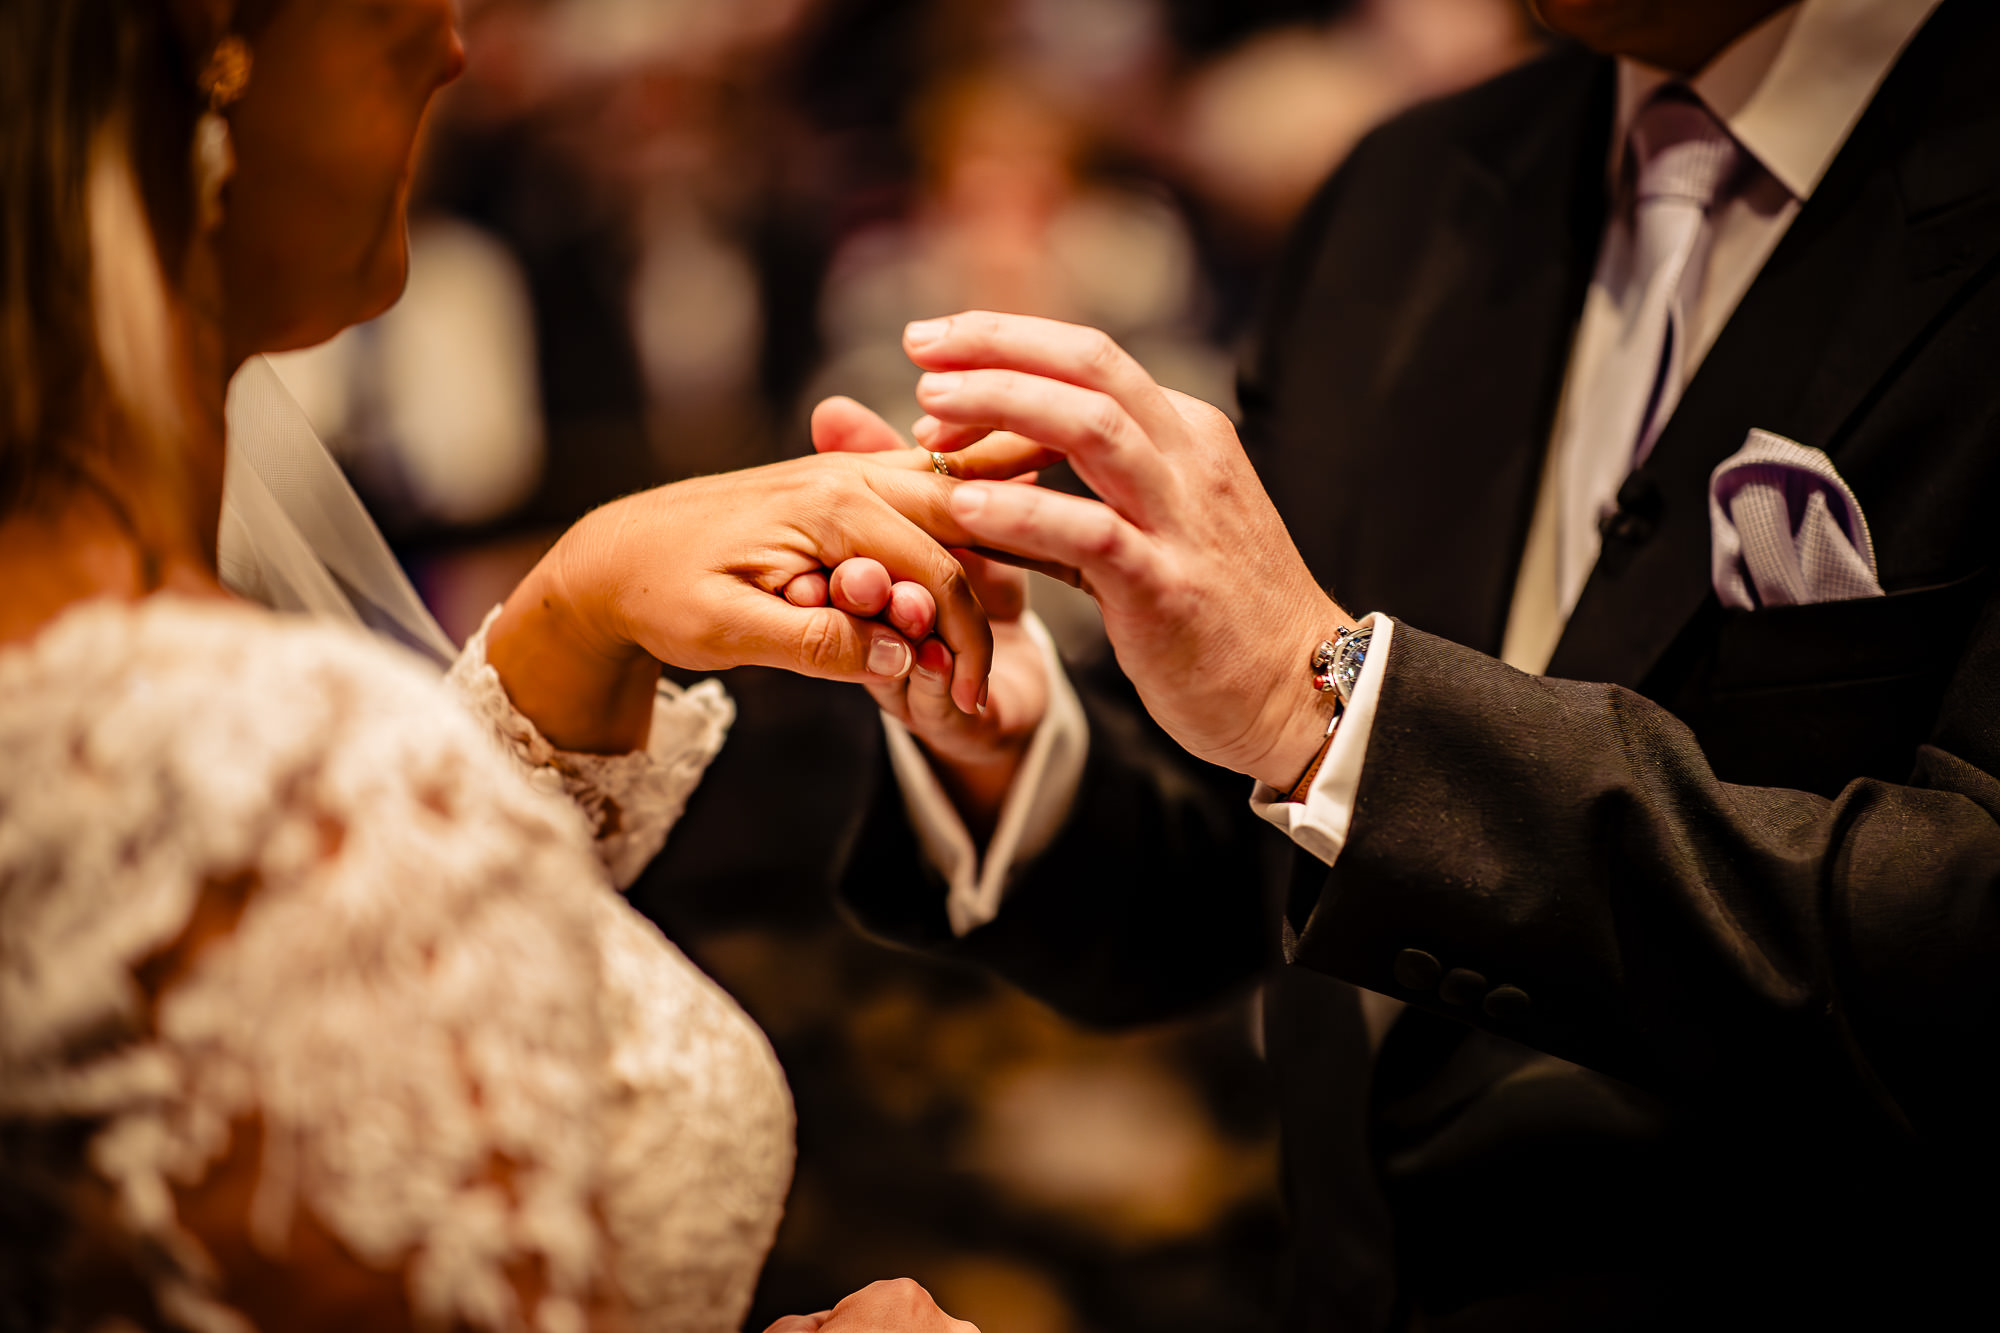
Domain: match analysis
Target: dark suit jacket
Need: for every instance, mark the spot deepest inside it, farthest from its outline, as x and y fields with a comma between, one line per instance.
x=1700, y=932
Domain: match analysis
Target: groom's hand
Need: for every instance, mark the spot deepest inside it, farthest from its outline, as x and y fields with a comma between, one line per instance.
x=898, y=1306
x=1207, y=603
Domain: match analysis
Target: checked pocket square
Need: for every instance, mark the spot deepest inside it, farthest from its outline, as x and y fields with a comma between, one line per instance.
x=1784, y=529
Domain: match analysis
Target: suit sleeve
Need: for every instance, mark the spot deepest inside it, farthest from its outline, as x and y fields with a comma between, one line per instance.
x=1158, y=896
x=1557, y=862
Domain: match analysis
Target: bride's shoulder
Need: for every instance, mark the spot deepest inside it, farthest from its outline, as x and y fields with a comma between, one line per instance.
x=209, y=646
x=236, y=709
x=179, y=669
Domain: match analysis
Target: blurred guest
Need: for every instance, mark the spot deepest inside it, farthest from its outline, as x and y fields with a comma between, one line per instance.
x=1009, y=220
x=1326, y=85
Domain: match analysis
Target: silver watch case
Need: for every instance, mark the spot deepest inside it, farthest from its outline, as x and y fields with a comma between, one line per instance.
x=1350, y=653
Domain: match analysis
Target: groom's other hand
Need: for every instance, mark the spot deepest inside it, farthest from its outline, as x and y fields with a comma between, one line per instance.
x=1207, y=602
x=976, y=755
x=896, y=1306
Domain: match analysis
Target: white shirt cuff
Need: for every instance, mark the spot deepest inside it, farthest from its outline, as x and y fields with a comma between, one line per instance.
x=1320, y=822
x=1034, y=812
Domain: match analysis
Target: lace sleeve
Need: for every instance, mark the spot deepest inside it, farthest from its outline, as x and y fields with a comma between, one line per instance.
x=253, y=875
x=289, y=950
x=631, y=800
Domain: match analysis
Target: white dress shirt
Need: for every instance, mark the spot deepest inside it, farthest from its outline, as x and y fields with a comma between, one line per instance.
x=1790, y=91
x=1036, y=805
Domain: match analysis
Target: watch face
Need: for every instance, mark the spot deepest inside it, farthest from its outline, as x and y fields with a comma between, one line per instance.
x=1348, y=659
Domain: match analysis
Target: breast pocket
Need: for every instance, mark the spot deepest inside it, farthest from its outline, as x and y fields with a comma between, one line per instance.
x=1816, y=696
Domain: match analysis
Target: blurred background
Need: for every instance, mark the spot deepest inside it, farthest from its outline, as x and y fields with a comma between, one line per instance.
x=648, y=236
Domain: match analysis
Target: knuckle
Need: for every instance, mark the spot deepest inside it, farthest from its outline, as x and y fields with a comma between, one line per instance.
x=1176, y=596
x=957, y=587
x=822, y=646
x=1103, y=539
x=1101, y=355
x=975, y=330
x=1106, y=420
x=901, y=1291
x=1198, y=412
x=824, y=469
x=848, y=478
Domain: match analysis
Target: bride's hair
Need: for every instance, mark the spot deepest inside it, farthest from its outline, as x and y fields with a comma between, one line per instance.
x=98, y=102
x=97, y=110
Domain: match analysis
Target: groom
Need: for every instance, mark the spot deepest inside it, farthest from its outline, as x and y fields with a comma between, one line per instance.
x=1678, y=835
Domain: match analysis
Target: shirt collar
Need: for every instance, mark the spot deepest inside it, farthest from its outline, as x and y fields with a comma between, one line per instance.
x=1792, y=88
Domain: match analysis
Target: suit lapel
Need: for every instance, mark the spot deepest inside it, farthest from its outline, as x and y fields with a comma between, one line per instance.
x=1494, y=296
x=1904, y=221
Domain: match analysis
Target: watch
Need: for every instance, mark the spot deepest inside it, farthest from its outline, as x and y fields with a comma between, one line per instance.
x=1337, y=662
x=1336, y=667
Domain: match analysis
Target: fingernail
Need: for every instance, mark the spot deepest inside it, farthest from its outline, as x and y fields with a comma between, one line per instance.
x=940, y=384
x=924, y=332
x=888, y=657
x=933, y=664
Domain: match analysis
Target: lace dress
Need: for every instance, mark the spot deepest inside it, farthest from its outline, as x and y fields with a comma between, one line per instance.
x=261, y=869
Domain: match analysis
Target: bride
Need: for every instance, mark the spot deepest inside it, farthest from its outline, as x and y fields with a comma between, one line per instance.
x=318, y=1006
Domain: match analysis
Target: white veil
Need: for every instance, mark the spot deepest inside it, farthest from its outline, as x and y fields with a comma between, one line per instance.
x=295, y=536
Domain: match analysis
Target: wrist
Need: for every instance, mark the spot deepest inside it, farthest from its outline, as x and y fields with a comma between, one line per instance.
x=564, y=664
x=581, y=583
x=1302, y=736
x=1301, y=788
x=979, y=787
x=1301, y=712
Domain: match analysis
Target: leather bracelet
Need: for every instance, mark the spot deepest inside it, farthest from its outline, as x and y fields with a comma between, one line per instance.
x=1303, y=786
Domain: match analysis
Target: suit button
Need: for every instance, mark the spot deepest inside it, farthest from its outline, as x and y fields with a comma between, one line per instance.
x=1508, y=1004
x=1417, y=970
x=1462, y=986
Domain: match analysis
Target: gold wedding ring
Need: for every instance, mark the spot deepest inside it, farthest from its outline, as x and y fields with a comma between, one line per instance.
x=938, y=463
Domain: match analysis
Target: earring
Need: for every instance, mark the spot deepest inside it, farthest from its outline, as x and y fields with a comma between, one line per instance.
x=214, y=155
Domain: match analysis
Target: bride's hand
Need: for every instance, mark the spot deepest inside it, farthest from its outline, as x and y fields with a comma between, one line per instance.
x=897, y=1306
x=694, y=574
x=976, y=755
